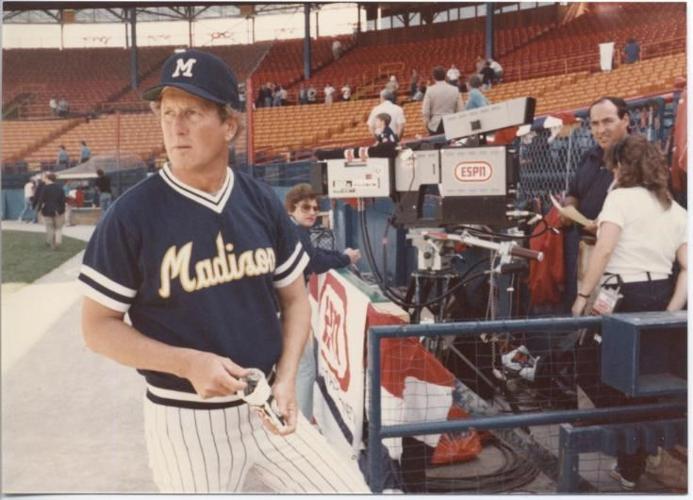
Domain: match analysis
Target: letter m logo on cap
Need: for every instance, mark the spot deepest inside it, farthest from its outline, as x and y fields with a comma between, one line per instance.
x=184, y=66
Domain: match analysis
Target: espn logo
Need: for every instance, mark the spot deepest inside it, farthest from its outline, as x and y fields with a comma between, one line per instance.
x=473, y=171
x=333, y=334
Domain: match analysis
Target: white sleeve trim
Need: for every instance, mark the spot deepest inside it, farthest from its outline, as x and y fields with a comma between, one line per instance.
x=288, y=262
x=107, y=282
x=103, y=299
x=287, y=280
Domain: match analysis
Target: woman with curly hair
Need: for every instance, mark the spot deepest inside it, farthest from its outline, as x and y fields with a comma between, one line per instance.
x=641, y=232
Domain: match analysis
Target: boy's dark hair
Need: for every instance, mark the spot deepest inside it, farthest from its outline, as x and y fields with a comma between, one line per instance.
x=475, y=82
x=100, y=172
x=384, y=117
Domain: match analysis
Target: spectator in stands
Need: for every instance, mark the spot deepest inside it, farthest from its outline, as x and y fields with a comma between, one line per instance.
x=301, y=203
x=63, y=107
x=396, y=113
x=29, y=192
x=267, y=95
x=51, y=204
x=329, y=91
x=487, y=75
x=53, y=104
x=631, y=51
x=383, y=132
x=312, y=95
x=336, y=49
x=642, y=232
x=609, y=120
x=462, y=85
x=283, y=95
x=476, y=98
x=346, y=92
x=419, y=94
x=261, y=96
x=413, y=83
x=440, y=99
x=103, y=190
x=63, y=159
x=276, y=97
x=84, y=152
x=479, y=64
x=497, y=71
x=392, y=85
x=302, y=94
x=453, y=75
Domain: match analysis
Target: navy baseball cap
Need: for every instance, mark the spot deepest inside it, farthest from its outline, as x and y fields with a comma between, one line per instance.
x=198, y=73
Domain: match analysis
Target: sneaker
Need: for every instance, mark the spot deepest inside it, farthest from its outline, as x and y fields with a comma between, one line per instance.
x=614, y=473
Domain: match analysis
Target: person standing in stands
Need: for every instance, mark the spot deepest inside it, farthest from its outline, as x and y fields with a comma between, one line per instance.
x=329, y=91
x=413, y=83
x=63, y=160
x=487, y=75
x=302, y=95
x=453, y=76
x=84, y=152
x=476, y=98
x=396, y=113
x=346, y=92
x=301, y=203
x=312, y=95
x=53, y=104
x=51, y=204
x=631, y=51
x=103, y=190
x=440, y=99
x=383, y=133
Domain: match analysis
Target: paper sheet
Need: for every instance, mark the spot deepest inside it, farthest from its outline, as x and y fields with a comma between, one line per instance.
x=571, y=213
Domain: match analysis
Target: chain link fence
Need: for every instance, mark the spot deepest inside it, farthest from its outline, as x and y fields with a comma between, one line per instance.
x=549, y=158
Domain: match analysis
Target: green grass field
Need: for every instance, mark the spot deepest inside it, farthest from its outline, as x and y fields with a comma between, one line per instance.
x=26, y=257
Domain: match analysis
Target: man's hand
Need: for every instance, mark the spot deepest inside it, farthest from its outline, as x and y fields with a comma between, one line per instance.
x=591, y=228
x=353, y=254
x=285, y=398
x=212, y=375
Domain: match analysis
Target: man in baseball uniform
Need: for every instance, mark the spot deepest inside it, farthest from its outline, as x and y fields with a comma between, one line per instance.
x=201, y=258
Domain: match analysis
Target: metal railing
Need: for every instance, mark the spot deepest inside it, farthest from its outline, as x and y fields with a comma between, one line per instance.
x=377, y=432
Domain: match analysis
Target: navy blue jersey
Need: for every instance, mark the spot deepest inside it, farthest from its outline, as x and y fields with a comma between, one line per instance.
x=387, y=135
x=197, y=270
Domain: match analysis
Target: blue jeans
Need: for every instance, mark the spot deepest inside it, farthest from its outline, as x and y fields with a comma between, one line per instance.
x=26, y=209
x=104, y=201
x=305, y=379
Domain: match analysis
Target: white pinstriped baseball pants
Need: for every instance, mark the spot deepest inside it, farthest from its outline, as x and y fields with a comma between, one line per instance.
x=210, y=451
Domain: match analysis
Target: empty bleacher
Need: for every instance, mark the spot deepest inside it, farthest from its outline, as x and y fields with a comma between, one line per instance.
x=138, y=133
x=19, y=136
x=574, y=46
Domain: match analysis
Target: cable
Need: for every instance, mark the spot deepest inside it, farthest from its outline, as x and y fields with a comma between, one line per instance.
x=515, y=472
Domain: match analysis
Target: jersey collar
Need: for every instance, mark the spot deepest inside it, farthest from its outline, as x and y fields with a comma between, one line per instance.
x=215, y=202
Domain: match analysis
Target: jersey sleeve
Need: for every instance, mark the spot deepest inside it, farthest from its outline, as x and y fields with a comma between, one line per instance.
x=109, y=273
x=291, y=257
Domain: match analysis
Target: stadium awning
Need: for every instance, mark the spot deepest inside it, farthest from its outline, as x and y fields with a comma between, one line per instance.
x=110, y=164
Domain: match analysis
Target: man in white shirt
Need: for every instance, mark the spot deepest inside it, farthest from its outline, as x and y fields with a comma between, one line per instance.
x=453, y=75
x=387, y=105
x=346, y=92
x=329, y=91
